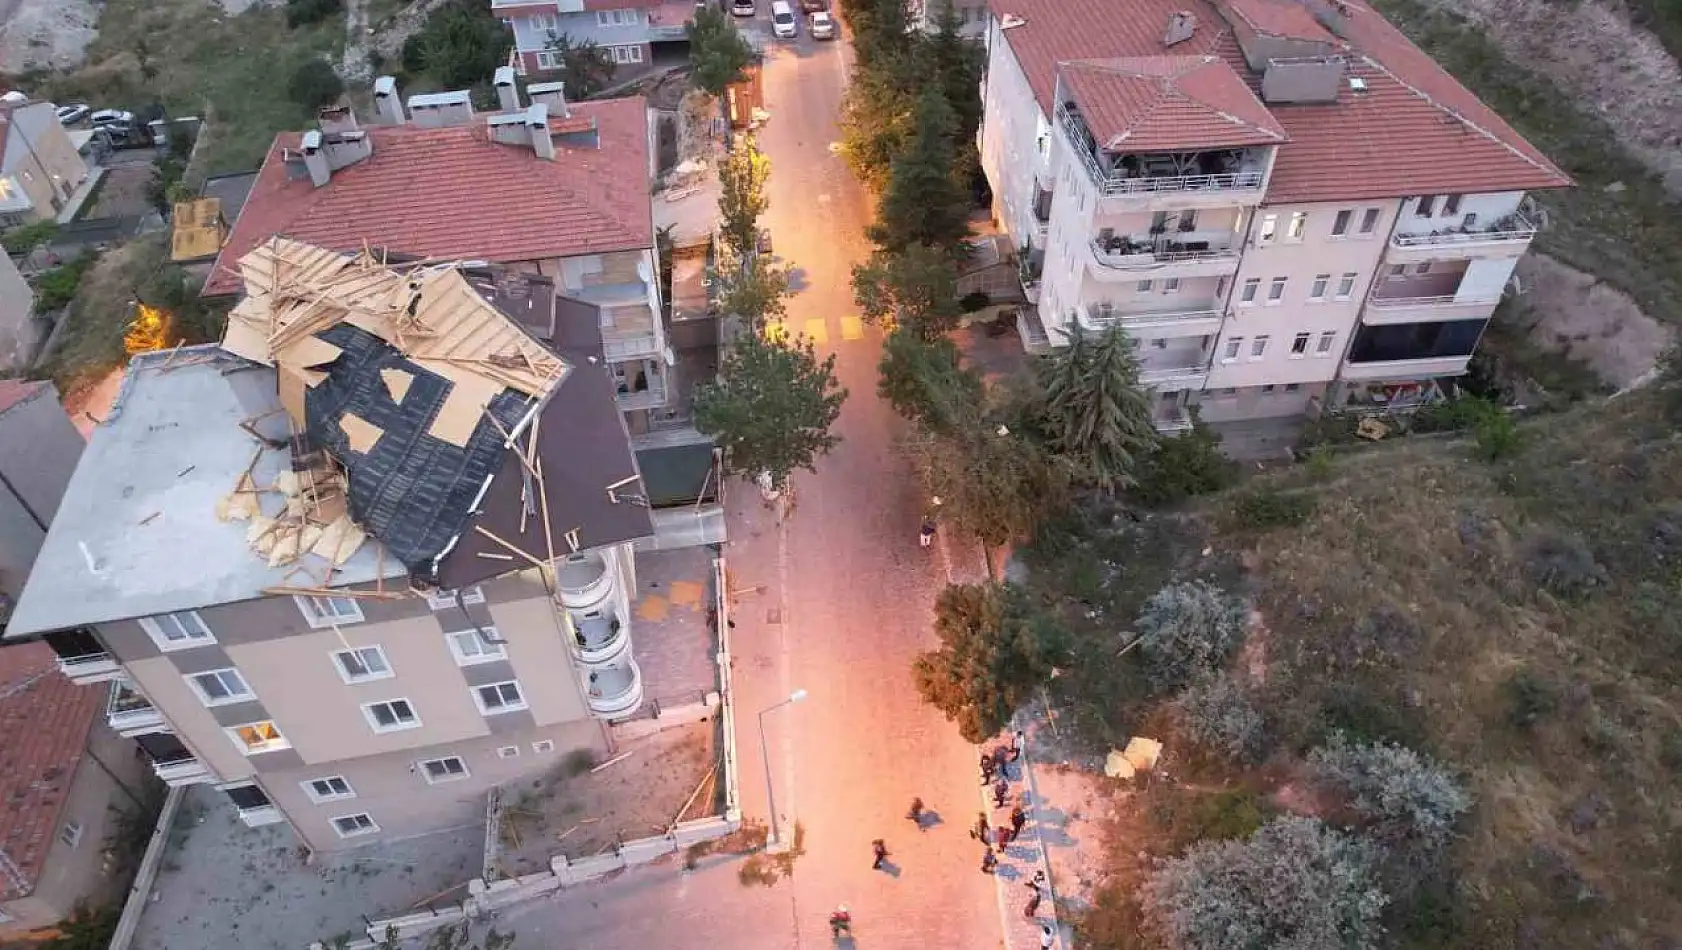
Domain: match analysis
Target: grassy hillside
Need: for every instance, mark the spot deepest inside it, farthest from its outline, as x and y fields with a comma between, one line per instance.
x=1520, y=621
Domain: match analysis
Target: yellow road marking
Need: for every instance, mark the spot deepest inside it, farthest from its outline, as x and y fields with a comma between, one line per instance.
x=852, y=328
x=818, y=329
x=776, y=331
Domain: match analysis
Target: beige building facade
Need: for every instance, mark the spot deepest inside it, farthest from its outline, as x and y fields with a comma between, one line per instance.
x=40, y=167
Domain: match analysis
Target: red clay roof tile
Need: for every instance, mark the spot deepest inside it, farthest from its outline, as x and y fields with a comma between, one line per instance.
x=1151, y=103
x=453, y=193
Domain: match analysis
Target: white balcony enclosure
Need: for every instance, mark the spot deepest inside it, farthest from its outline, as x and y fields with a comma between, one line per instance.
x=1153, y=324
x=90, y=668
x=130, y=714
x=614, y=691
x=1508, y=237
x=1407, y=369
x=181, y=772
x=1387, y=310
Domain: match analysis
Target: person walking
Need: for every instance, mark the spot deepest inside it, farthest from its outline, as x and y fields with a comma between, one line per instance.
x=880, y=847
x=1004, y=837
x=989, y=863
x=1048, y=935
x=925, y=536
x=979, y=832
x=986, y=769
x=1018, y=818
x=1033, y=905
x=1001, y=791
x=1018, y=743
x=916, y=813
x=1001, y=756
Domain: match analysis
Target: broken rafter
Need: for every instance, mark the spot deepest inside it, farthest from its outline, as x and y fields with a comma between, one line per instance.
x=334, y=592
x=522, y=553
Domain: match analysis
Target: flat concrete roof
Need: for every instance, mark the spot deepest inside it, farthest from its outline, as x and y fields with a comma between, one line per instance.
x=137, y=533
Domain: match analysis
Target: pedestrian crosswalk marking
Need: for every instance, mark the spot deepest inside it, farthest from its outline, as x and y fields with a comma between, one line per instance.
x=852, y=328
x=818, y=330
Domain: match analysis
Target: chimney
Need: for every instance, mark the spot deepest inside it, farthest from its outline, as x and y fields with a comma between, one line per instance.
x=315, y=160
x=335, y=119
x=537, y=121
x=551, y=94
x=438, y=110
x=505, y=129
x=507, y=92
x=388, y=105
x=1181, y=25
x=344, y=149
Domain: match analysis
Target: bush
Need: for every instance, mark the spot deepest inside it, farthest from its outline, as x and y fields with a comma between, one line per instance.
x=1406, y=798
x=995, y=647
x=1217, y=712
x=57, y=287
x=1186, y=817
x=305, y=12
x=1563, y=565
x=1294, y=883
x=1455, y=415
x=1530, y=699
x=1187, y=464
x=26, y=238
x=971, y=302
x=460, y=44
x=1269, y=508
x=1498, y=437
x=315, y=85
x=1366, y=715
x=1189, y=631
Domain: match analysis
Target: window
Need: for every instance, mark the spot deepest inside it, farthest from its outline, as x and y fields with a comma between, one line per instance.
x=446, y=599
x=625, y=54
x=1160, y=343
x=247, y=797
x=448, y=769
x=1276, y=291
x=1451, y=206
x=1258, y=347
x=220, y=687
x=1318, y=290
x=1293, y=387
x=1267, y=390
x=1227, y=392
x=1144, y=286
x=1159, y=222
x=1299, y=344
x=1423, y=208
x=255, y=738
x=70, y=834
x=1423, y=267
x=349, y=826
x=543, y=746
x=1340, y=224
x=322, y=612
x=391, y=715
x=548, y=59
x=1170, y=285
x=1397, y=271
x=177, y=631
x=617, y=17
x=1369, y=220
x=1345, y=286
x=1298, y=226
x=1233, y=346
x=543, y=22
x=1269, y=227
x=1247, y=296
x=470, y=647
x=330, y=789
x=499, y=698
x=1324, y=347
x=362, y=664
x=508, y=752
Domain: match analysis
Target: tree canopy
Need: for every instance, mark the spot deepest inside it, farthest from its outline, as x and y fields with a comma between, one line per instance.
x=916, y=288
x=994, y=483
x=1189, y=630
x=461, y=44
x=925, y=382
x=994, y=649
x=1093, y=410
x=753, y=288
x=923, y=201
x=718, y=54
x=772, y=406
x=588, y=67
x=742, y=177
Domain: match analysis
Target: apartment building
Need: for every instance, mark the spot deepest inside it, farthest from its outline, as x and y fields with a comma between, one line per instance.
x=971, y=15
x=627, y=30
x=39, y=449
x=367, y=559
x=1287, y=204
x=40, y=168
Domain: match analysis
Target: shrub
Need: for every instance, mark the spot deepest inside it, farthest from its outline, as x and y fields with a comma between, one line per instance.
x=1455, y=414
x=1498, y=437
x=460, y=44
x=23, y=239
x=1187, y=464
x=995, y=647
x=305, y=12
x=1366, y=714
x=1563, y=565
x=1189, y=630
x=315, y=84
x=1216, y=710
x=577, y=762
x=1270, y=508
x=1187, y=817
x=1405, y=797
x=1530, y=699
x=973, y=301
x=57, y=287
x=1294, y=883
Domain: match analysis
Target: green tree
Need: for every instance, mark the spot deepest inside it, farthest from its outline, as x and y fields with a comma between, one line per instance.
x=772, y=406
x=995, y=647
x=875, y=124
x=926, y=382
x=1092, y=409
x=460, y=44
x=923, y=202
x=315, y=84
x=587, y=67
x=742, y=200
x=916, y=288
x=1405, y=798
x=994, y=484
x=1188, y=631
x=1184, y=465
x=754, y=289
x=718, y=54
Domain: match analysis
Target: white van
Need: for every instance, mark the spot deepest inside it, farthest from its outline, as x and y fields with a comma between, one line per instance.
x=782, y=19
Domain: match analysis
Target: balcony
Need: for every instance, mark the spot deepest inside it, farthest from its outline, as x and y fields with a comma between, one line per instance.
x=1507, y=237
x=258, y=817
x=1407, y=369
x=1154, y=325
x=584, y=580
x=90, y=668
x=1119, y=260
x=1172, y=376
x=187, y=770
x=651, y=395
x=1382, y=311
x=1211, y=178
x=599, y=636
x=1030, y=265
x=615, y=691
x=1171, y=418
x=1032, y=331
x=131, y=714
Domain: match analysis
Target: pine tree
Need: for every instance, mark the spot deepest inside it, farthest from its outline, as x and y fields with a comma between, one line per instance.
x=1093, y=410
x=923, y=202
x=718, y=54
x=994, y=649
x=916, y=288
x=772, y=406
x=925, y=382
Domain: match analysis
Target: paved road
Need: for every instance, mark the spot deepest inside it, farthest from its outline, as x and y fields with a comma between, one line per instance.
x=843, y=606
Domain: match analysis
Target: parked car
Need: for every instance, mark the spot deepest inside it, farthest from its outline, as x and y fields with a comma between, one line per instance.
x=105, y=117
x=742, y=8
x=823, y=28
x=814, y=6
x=71, y=114
x=782, y=19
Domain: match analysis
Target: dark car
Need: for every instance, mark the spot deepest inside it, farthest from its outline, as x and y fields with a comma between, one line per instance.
x=814, y=6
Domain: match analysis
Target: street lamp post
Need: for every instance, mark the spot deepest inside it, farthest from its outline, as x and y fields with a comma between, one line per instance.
x=765, y=753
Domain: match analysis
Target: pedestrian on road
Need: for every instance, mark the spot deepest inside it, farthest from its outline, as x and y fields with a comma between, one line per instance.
x=986, y=769
x=916, y=813
x=1001, y=755
x=979, y=832
x=1018, y=743
x=1033, y=906
x=1048, y=935
x=1005, y=836
x=1018, y=818
x=1038, y=883
x=1001, y=791
x=925, y=537
x=881, y=849
x=988, y=862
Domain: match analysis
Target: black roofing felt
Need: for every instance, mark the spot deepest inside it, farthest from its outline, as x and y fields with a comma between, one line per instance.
x=678, y=474
x=411, y=491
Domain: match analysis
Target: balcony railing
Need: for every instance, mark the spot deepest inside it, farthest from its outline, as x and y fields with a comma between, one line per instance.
x=1134, y=258
x=90, y=668
x=181, y=770
x=129, y=713
x=1184, y=373
x=635, y=347
x=258, y=817
x=615, y=691
x=1175, y=419
x=598, y=640
x=1511, y=228
x=1111, y=184
x=650, y=397
x=1100, y=317
x=584, y=581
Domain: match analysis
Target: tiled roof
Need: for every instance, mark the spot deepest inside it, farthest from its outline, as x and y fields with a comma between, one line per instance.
x=44, y=722
x=1415, y=130
x=1150, y=103
x=1287, y=18
x=452, y=193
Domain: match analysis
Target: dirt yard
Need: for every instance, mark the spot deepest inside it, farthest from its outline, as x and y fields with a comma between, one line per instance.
x=123, y=192
x=1578, y=316
x=574, y=812
x=45, y=34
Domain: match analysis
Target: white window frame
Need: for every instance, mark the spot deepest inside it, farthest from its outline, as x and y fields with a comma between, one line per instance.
x=374, y=723
x=358, y=652
x=155, y=626
x=447, y=777
x=1324, y=346
x=1369, y=222
x=1346, y=286
x=309, y=788
x=70, y=834
x=456, y=639
x=1170, y=285
x=1299, y=345
x=543, y=747
x=547, y=59
x=1422, y=207
x=1269, y=229
x=1317, y=290
x=1276, y=291
x=1258, y=346
x=1248, y=291
x=1342, y=222
x=243, y=695
x=544, y=22
x=372, y=827
x=1397, y=272
x=1233, y=347
x=1144, y=286
x=445, y=599
x=508, y=752
x=626, y=54
x=611, y=19
x=277, y=744
x=1422, y=268
x=517, y=706
x=1297, y=229
x=345, y=611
